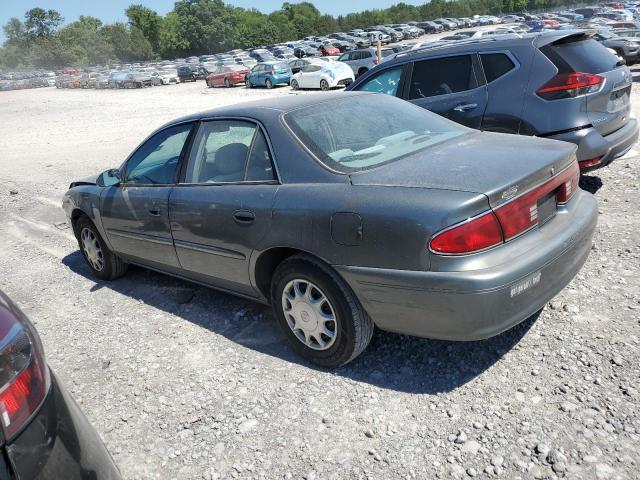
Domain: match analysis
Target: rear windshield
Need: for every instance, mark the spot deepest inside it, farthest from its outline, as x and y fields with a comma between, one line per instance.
x=586, y=56
x=361, y=132
x=281, y=66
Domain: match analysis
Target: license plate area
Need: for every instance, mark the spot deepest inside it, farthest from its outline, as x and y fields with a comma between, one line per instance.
x=547, y=208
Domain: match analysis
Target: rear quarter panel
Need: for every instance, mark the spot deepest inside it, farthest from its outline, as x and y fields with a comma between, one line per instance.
x=396, y=223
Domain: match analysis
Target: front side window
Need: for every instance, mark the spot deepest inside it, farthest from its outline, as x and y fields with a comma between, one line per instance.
x=156, y=161
x=228, y=151
x=442, y=76
x=386, y=81
x=368, y=130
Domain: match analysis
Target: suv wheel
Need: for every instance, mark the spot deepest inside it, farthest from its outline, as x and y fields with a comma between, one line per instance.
x=318, y=312
x=268, y=83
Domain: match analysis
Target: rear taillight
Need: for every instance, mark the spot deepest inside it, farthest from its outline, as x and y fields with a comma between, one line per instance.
x=272, y=71
x=592, y=162
x=521, y=213
x=507, y=221
x=376, y=61
x=24, y=376
x=473, y=235
x=569, y=85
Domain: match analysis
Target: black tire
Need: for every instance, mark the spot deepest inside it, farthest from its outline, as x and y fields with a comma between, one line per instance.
x=209, y=85
x=354, y=327
x=362, y=71
x=294, y=85
x=247, y=83
x=114, y=267
x=324, y=85
x=227, y=84
x=268, y=83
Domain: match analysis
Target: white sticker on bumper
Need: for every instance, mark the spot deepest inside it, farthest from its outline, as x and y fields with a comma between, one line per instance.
x=526, y=284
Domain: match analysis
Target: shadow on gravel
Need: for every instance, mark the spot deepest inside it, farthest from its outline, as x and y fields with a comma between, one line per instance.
x=392, y=361
x=590, y=183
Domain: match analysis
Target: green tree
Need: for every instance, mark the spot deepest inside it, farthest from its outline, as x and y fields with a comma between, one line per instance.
x=147, y=21
x=42, y=23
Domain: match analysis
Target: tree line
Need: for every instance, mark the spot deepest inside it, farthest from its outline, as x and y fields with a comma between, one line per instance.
x=196, y=27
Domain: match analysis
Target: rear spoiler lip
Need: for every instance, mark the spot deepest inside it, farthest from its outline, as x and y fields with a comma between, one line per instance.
x=567, y=35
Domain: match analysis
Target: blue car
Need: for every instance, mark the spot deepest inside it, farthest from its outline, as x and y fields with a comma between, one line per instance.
x=268, y=74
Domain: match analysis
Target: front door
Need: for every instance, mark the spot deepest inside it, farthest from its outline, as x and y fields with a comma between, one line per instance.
x=449, y=87
x=221, y=209
x=135, y=213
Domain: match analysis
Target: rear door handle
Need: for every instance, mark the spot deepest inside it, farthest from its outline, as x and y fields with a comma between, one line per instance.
x=465, y=107
x=244, y=216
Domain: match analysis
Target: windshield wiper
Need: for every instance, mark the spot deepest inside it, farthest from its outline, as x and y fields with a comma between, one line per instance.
x=358, y=156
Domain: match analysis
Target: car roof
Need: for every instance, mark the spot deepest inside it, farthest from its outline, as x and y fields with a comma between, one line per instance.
x=266, y=107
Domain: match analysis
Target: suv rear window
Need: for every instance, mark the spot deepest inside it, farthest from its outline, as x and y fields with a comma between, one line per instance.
x=586, y=56
x=495, y=65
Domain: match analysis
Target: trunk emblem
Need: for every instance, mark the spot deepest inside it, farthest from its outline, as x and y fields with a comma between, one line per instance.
x=510, y=193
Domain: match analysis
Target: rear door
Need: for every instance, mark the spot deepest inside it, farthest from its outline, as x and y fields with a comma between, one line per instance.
x=221, y=209
x=449, y=86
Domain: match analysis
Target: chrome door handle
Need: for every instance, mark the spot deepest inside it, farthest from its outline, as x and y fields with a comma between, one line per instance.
x=465, y=107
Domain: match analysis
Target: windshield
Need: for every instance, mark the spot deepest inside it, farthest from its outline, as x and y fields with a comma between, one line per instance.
x=366, y=131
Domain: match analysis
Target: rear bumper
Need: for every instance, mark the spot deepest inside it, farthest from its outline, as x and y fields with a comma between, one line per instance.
x=497, y=290
x=609, y=147
x=280, y=79
x=59, y=443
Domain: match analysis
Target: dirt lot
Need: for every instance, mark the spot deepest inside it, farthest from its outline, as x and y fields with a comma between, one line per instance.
x=185, y=382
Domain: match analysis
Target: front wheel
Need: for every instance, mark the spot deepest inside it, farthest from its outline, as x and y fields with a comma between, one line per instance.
x=104, y=264
x=227, y=84
x=324, y=85
x=294, y=85
x=318, y=312
x=268, y=83
x=247, y=83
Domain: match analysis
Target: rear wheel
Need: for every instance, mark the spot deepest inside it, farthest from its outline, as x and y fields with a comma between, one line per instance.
x=103, y=262
x=318, y=312
x=226, y=83
x=247, y=83
x=209, y=84
x=268, y=83
x=324, y=85
x=294, y=84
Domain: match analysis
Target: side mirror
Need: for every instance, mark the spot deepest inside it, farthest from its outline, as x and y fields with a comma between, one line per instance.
x=109, y=178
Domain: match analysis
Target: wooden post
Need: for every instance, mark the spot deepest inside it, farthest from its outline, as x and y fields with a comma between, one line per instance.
x=379, y=49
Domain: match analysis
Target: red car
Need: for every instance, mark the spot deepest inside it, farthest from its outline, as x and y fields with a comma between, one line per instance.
x=550, y=23
x=227, y=75
x=328, y=50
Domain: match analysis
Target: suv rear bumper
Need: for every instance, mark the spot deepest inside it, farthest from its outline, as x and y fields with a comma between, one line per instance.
x=591, y=144
x=517, y=280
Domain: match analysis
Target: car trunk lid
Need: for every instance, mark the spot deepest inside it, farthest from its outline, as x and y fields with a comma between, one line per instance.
x=496, y=165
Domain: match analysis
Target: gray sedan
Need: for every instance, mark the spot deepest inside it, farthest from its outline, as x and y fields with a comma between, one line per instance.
x=345, y=212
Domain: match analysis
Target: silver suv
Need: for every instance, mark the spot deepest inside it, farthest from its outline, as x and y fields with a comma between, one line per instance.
x=360, y=61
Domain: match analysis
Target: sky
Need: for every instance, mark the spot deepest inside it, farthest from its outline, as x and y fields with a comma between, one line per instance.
x=110, y=11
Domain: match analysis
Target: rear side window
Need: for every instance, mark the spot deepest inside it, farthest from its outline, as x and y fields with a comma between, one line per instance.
x=586, y=56
x=496, y=65
x=442, y=76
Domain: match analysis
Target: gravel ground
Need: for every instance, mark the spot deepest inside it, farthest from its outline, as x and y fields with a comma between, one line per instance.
x=185, y=382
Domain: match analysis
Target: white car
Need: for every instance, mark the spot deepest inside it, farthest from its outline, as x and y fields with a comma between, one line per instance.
x=169, y=75
x=323, y=75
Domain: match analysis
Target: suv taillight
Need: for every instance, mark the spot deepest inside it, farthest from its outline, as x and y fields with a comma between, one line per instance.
x=507, y=221
x=24, y=376
x=570, y=85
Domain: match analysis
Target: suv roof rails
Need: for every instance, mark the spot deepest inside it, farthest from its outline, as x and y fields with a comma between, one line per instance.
x=470, y=41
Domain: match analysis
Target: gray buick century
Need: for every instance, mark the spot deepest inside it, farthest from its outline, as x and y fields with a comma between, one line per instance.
x=345, y=211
